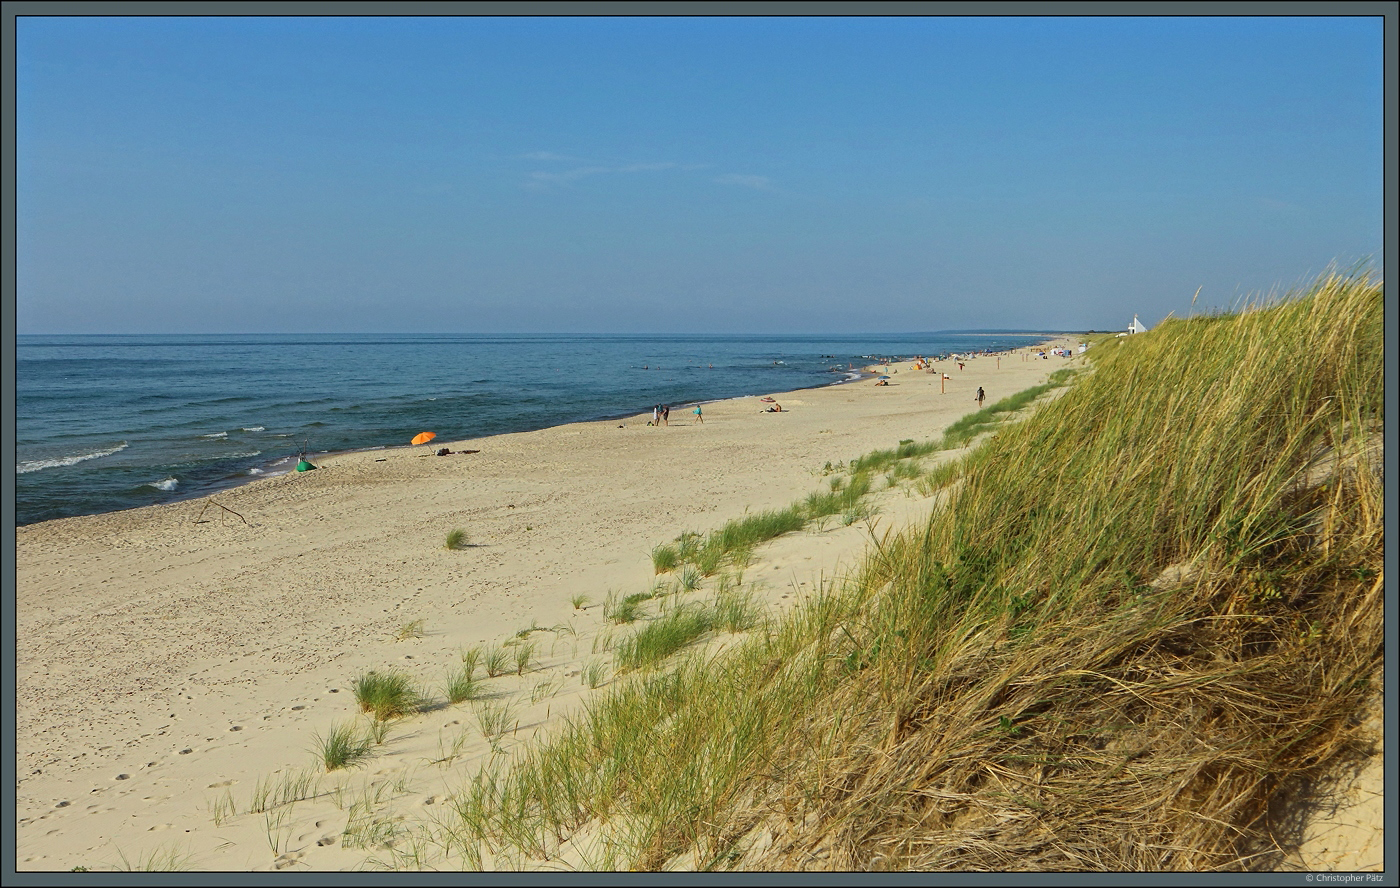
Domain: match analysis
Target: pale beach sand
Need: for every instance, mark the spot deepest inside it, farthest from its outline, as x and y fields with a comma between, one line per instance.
x=166, y=666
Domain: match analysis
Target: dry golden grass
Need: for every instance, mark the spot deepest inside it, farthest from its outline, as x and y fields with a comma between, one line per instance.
x=1160, y=602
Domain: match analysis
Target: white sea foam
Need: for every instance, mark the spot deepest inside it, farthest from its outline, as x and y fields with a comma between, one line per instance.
x=255, y=429
x=216, y=435
x=167, y=484
x=255, y=471
x=34, y=465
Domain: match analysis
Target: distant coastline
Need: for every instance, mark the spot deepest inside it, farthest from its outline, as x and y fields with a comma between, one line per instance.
x=114, y=422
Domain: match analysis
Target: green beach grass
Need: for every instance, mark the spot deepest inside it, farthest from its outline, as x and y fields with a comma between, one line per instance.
x=343, y=746
x=386, y=695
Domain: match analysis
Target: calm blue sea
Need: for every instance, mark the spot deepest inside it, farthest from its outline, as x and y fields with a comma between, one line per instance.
x=115, y=422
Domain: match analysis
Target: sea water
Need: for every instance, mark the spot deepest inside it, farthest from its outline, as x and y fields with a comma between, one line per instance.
x=115, y=422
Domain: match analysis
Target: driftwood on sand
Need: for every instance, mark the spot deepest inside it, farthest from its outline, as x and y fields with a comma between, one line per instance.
x=200, y=518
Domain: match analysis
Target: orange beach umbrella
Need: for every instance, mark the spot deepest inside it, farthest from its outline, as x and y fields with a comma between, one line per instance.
x=423, y=437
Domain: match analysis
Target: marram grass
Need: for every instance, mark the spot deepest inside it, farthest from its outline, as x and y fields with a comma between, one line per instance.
x=462, y=685
x=1118, y=611
x=663, y=637
x=342, y=746
x=1136, y=616
x=665, y=558
x=386, y=695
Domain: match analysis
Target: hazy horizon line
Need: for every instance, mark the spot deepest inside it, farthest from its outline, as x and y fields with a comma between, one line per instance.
x=980, y=331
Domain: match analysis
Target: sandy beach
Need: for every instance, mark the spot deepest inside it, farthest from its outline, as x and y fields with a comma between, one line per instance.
x=174, y=659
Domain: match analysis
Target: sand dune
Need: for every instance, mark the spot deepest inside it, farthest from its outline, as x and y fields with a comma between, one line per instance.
x=168, y=668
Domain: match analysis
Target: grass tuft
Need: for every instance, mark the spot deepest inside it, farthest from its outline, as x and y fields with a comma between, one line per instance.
x=495, y=717
x=462, y=685
x=524, y=656
x=625, y=610
x=342, y=746
x=165, y=859
x=665, y=558
x=594, y=674
x=663, y=637
x=688, y=545
x=709, y=560
x=387, y=695
x=497, y=661
x=689, y=579
x=284, y=789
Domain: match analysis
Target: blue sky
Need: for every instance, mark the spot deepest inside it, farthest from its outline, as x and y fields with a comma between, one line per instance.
x=672, y=175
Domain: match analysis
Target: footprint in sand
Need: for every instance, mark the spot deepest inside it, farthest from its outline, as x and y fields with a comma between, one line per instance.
x=123, y=777
x=286, y=860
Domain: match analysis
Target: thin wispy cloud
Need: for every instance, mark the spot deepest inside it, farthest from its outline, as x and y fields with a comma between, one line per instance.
x=758, y=183
x=547, y=155
x=541, y=180
x=568, y=175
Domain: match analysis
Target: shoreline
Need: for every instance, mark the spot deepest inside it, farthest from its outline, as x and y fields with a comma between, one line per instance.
x=162, y=662
x=264, y=471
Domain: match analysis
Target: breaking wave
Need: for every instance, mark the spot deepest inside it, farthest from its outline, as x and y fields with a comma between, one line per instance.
x=35, y=465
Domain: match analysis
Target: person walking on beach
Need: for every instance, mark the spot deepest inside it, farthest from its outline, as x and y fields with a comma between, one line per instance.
x=656, y=415
x=666, y=414
x=980, y=395
x=699, y=416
